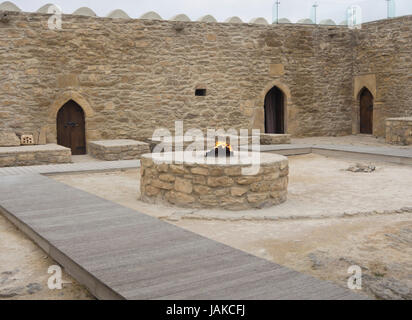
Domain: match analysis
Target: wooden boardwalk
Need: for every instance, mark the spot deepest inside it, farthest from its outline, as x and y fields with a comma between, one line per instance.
x=119, y=253
x=94, y=166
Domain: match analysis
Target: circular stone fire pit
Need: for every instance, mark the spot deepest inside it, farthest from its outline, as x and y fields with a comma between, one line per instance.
x=195, y=183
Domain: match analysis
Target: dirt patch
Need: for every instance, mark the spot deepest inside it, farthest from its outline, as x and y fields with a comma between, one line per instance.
x=23, y=270
x=380, y=245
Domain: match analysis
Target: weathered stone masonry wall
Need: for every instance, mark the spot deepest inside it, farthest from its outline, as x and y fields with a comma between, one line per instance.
x=137, y=75
x=383, y=50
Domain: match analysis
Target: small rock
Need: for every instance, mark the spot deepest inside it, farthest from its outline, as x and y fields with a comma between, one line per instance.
x=362, y=168
x=33, y=288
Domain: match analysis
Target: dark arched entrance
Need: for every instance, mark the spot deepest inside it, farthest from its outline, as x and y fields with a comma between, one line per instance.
x=71, y=130
x=366, y=111
x=275, y=111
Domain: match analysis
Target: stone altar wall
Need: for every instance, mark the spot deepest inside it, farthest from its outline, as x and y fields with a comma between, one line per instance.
x=132, y=76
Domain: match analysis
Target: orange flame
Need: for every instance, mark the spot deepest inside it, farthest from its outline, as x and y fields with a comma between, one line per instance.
x=223, y=145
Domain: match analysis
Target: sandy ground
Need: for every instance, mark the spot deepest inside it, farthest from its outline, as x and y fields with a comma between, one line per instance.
x=319, y=187
x=23, y=270
x=333, y=219
x=380, y=245
x=311, y=232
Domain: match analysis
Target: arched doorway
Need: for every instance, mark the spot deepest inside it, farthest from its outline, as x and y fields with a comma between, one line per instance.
x=71, y=129
x=366, y=111
x=275, y=111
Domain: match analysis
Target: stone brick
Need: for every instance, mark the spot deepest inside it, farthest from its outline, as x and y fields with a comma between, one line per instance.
x=162, y=185
x=167, y=177
x=219, y=181
x=151, y=191
x=179, y=198
x=238, y=191
x=216, y=172
x=245, y=180
x=257, y=197
x=277, y=69
x=199, y=180
x=183, y=185
x=233, y=171
x=280, y=184
x=201, y=190
x=178, y=169
x=200, y=171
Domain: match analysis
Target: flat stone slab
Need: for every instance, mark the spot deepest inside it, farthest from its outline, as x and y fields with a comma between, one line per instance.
x=121, y=149
x=34, y=155
x=271, y=138
x=120, y=253
x=400, y=119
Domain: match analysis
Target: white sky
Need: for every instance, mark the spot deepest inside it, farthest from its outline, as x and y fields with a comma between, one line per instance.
x=222, y=9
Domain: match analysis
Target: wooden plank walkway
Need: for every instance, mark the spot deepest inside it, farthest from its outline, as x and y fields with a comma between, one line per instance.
x=119, y=253
x=71, y=167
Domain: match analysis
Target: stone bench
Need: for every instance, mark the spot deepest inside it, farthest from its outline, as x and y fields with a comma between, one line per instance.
x=122, y=149
x=34, y=155
x=399, y=131
x=271, y=138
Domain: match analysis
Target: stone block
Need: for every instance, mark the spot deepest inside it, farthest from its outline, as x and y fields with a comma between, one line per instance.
x=238, y=191
x=269, y=139
x=121, y=149
x=183, y=185
x=220, y=181
x=277, y=69
x=9, y=139
x=34, y=155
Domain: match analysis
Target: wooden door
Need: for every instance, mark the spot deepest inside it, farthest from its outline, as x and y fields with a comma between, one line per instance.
x=366, y=112
x=274, y=111
x=71, y=131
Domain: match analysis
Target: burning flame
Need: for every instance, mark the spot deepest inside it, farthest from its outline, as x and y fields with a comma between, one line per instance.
x=223, y=145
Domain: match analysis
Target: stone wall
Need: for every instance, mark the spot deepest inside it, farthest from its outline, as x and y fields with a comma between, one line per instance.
x=34, y=155
x=399, y=131
x=383, y=61
x=132, y=76
x=201, y=185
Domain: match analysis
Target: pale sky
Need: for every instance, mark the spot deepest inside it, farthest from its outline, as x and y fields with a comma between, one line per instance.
x=222, y=9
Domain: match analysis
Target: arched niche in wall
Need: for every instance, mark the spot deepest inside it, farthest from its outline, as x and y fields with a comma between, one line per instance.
x=361, y=82
x=258, y=121
x=58, y=104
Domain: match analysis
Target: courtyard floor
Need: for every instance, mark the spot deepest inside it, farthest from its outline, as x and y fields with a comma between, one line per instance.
x=333, y=219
